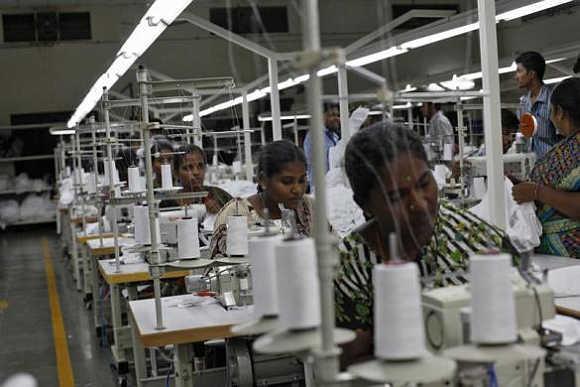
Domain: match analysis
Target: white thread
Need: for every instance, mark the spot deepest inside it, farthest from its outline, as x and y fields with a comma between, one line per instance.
x=262, y=252
x=298, y=288
x=237, y=235
x=493, y=317
x=133, y=177
x=187, y=238
x=166, y=177
x=398, y=317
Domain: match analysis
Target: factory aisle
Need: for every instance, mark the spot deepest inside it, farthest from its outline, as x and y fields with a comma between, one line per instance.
x=27, y=326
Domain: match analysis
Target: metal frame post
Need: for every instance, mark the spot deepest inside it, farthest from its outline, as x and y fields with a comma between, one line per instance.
x=491, y=111
x=247, y=137
x=327, y=357
x=154, y=253
x=342, y=76
x=196, y=122
x=109, y=166
x=274, y=99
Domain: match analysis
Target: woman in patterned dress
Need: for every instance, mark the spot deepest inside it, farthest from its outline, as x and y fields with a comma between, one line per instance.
x=555, y=180
x=281, y=184
x=392, y=182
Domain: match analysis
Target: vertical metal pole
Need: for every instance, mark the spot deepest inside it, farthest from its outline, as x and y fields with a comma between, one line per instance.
x=96, y=181
x=247, y=137
x=275, y=99
x=410, y=117
x=295, y=123
x=491, y=111
x=262, y=135
x=461, y=135
x=214, y=160
x=80, y=177
x=111, y=169
x=196, y=122
x=155, y=259
x=343, y=102
x=327, y=359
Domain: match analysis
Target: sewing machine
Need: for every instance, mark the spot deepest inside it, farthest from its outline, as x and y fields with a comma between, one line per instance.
x=446, y=313
x=518, y=165
x=231, y=284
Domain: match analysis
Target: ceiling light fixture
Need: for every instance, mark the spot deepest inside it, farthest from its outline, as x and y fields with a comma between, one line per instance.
x=416, y=43
x=160, y=15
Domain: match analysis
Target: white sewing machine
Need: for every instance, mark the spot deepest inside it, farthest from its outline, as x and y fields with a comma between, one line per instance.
x=446, y=313
x=518, y=165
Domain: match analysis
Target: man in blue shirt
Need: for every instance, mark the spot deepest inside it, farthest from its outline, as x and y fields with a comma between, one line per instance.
x=529, y=77
x=331, y=137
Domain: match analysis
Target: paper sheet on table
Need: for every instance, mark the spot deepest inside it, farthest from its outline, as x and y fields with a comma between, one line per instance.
x=564, y=281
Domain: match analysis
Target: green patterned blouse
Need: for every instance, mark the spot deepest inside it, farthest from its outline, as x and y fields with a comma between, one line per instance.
x=444, y=261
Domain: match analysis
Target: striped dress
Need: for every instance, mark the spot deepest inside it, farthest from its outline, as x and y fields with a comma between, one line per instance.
x=443, y=262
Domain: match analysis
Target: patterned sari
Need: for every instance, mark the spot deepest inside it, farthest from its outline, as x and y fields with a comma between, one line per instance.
x=559, y=169
x=444, y=261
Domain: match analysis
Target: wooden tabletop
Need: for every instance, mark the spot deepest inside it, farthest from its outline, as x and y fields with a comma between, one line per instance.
x=84, y=238
x=569, y=306
x=184, y=325
x=132, y=272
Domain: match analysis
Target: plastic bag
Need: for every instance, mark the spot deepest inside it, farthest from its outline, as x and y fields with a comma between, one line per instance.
x=524, y=228
x=9, y=211
x=336, y=153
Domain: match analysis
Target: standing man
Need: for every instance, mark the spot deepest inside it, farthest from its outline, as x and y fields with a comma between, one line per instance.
x=529, y=77
x=439, y=125
x=331, y=137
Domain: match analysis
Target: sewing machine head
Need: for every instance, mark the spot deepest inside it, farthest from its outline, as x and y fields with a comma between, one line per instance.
x=446, y=313
x=518, y=165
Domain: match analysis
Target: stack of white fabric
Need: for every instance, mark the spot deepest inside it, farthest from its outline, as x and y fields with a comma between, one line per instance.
x=238, y=188
x=343, y=213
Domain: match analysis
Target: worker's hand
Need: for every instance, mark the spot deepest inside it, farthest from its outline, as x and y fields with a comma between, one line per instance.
x=525, y=192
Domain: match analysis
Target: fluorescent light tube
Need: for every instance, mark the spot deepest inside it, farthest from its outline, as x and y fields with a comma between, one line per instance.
x=416, y=43
x=555, y=80
x=161, y=14
x=426, y=40
x=377, y=56
x=530, y=9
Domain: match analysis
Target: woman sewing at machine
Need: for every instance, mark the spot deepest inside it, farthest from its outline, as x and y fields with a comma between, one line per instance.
x=189, y=168
x=391, y=181
x=555, y=180
x=282, y=184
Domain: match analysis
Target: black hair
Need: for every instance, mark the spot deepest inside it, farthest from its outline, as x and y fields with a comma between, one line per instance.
x=160, y=143
x=566, y=95
x=370, y=150
x=533, y=61
x=509, y=120
x=328, y=106
x=183, y=151
x=275, y=155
